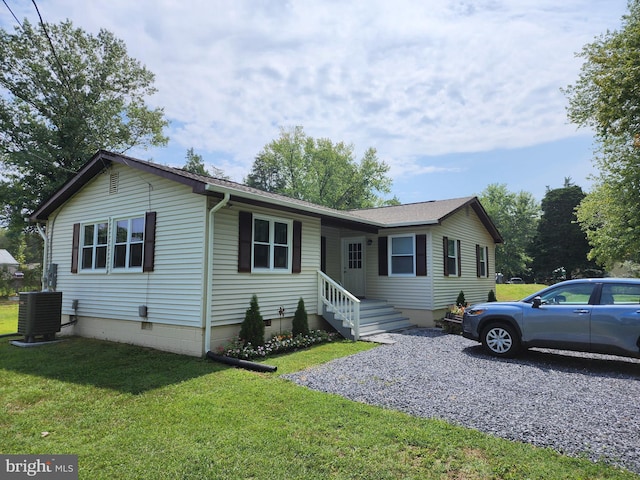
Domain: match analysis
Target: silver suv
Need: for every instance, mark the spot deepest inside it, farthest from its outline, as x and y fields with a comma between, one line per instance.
x=600, y=315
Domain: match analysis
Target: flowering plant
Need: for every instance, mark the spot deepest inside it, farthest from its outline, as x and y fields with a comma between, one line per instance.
x=280, y=343
x=457, y=309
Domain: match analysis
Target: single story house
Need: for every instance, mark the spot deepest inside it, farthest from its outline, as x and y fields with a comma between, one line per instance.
x=160, y=257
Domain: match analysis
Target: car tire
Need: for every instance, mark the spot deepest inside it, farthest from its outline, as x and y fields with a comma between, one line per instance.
x=500, y=340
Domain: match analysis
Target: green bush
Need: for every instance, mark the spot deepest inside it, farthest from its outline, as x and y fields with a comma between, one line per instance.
x=252, y=330
x=492, y=296
x=300, y=321
x=460, y=301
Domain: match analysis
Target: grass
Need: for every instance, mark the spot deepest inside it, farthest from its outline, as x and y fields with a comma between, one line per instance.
x=131, y=412
x=507, y=292
x=8, y=317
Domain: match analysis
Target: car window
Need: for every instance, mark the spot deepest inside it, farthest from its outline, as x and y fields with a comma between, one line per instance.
x=620, y=294
x=576, y=294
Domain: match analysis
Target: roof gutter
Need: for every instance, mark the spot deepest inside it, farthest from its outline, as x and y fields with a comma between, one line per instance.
x=208, y=294
x=309, y=208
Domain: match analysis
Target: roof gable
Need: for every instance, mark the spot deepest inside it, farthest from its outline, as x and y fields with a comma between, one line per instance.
x=6, y=258
x=424, y=213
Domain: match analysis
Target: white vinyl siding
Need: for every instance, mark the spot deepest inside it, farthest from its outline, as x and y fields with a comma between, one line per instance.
x=402, y=291
x=173, y=291
x=232, y=290
x=465, y=226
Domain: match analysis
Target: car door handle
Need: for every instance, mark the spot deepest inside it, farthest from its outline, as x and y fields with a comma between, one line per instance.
x=581, y=311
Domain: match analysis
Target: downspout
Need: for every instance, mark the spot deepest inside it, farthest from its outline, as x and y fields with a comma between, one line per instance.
x=45, y=253
x=209, y=272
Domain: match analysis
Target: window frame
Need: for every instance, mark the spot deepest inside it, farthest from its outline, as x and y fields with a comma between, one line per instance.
x=93, y=246
x=455, y=258
x=482, y=260
x=271, y=244
x=128, y=244
x=391, y=255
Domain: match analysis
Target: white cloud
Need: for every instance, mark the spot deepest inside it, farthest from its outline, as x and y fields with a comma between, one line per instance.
x=412, y=79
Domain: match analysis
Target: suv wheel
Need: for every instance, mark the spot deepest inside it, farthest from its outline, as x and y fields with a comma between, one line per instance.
x=500, y=340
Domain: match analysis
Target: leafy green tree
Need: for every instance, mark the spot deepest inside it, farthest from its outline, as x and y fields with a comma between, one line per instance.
x=610, y=215
x=516, y=217
x=195, y=164
x=252, y=329
x=606, y=98
x=66, y=94
x=559, y=240
x=321, y=172
x=300, y=324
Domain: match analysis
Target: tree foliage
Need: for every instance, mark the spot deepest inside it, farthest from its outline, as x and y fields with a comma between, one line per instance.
x=195, y=164
x=516, y=217
x=606, y=98
x=252, y=329
x=559, y=240
x=65, y=95
x=321, y=172
x=300, y=324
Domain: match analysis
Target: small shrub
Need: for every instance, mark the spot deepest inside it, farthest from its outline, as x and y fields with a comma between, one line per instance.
x=460, y=301
x=300, y=321
x=492, y=296
x=252, y=330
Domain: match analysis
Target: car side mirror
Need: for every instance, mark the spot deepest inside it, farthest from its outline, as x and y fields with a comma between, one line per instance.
x=537, y=301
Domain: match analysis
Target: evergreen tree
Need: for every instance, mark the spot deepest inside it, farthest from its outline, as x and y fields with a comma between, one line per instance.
x=252, y=330
x=300, y=321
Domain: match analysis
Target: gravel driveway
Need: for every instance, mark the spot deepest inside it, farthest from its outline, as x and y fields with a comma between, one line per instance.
x=575, y=403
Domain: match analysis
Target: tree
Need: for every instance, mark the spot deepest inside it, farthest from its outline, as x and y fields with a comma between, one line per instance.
x=609, y=215
x=252, y=329
x=66, y=94
x=195, y=164
x=320, y=172
x=300, y=324
x=559, y=241
x=605, y=98
x=516, y=216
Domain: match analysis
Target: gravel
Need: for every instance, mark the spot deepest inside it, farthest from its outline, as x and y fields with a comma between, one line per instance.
x=575, y=403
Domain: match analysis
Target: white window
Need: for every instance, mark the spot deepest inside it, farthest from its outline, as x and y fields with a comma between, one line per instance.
x=128, y=243
x=94, y=246
x=482, y=253
x=402, y=258
x=452, y=257
x=272, y=244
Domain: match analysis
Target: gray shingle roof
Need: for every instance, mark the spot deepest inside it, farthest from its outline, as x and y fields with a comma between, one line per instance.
x=6, y=258
x=423, y=213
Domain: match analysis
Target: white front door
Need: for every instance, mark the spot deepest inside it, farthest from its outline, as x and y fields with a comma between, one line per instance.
x=353, y=265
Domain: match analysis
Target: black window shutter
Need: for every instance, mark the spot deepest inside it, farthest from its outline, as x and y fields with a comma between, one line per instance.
x=459, y=260
x=296, y=266
x=149, y=242
x=244, y=241
x=383, y=262
x=478, y=267
x=445, y=254
x=75, y=246
x=421, y=255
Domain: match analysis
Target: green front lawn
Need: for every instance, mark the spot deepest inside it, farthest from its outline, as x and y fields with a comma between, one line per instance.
x=8, y=317
x=131, y=412
x=506, y=291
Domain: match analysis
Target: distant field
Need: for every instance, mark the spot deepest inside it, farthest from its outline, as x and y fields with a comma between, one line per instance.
x=507, y=292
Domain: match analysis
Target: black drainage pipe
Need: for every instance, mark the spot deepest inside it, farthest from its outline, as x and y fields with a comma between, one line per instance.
x=11, y=335
x=236, y=362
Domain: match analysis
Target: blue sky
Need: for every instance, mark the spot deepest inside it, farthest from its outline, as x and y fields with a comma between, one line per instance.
x=453, y=94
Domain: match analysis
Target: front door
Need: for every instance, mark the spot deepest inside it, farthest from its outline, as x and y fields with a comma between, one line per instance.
x=353, y=265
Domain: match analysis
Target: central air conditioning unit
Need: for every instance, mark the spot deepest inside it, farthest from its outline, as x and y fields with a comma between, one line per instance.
x=39, y=315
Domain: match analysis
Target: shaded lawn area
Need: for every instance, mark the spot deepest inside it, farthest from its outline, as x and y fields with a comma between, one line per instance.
x=131, y=412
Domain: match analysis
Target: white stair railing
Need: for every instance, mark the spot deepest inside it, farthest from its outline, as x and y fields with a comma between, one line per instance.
x=344, y=305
